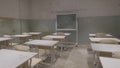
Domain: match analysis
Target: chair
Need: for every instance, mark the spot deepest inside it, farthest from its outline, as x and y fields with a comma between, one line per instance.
x=35, y=62
x=105, y=54
x=100, y=35
x=10, y=36
x=32, y=63
x=12, y=43
x=21, y=47
x=24, y=39
x=47, y=51
x=60, y=33
x=108, y=41
x=116, y=54
x=46, y=38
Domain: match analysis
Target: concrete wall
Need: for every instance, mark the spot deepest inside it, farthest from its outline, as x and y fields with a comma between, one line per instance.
x=9, y=8
x=93, y=15
x=13, y=14
x=12, y=26
x=15, y=9
x=47, y=9
x=106, y=24
x=25, y=9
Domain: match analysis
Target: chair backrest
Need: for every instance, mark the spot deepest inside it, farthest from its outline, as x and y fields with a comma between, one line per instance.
x=104, y=54
x=60, y=33
x=46, y=38
x=100, y=35
x=24, y=39
x=107, y=41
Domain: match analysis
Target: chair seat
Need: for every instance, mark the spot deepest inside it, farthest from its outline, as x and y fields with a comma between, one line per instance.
x=100, y=35
x=116, y=55
x=13, y=44
x=21, y=47
x=60, y=34
x=35, y=61
x=109, y=41
x=46, y=38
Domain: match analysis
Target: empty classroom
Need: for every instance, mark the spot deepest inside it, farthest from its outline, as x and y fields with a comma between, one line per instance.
x=59, y=34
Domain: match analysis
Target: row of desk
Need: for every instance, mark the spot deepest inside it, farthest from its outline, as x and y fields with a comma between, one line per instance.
x=26, y=37
x=12, y=58
x=103, y=53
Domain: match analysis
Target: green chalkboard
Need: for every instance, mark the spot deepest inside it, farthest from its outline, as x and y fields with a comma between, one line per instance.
x=66, y=21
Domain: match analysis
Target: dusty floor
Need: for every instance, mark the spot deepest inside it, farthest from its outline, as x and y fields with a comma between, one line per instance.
x=77, y=57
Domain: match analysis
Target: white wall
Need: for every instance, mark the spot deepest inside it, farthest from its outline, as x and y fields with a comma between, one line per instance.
x=25, y=9
x=46, y=9
x=9, y=8
x=15, y=8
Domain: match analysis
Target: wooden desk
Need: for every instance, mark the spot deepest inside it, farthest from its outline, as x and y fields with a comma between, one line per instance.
x=22, y=38
x=55, y=37
x=99, y=39
x=105, y=47
x=43, y=44
x=13, y=59
x=34, y=35
x=5, y=41
x=93, y=35
x=109, y=62
x=66, y=34
x=104, y=50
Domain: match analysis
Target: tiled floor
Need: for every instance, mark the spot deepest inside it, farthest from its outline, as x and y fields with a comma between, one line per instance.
x=77, y=57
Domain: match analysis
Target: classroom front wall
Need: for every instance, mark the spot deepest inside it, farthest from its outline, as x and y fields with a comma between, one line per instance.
x=107, y=24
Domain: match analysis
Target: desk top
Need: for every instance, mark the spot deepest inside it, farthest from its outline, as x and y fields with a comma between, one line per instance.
x=93, y=35
x=41, y=42
x=66, y=34
x=105, y=47
x=32, y=33
x=4, y=38
x=99, y=39
x=110, y=62
x=55, y=36
x=22, y=35
x=13, y=58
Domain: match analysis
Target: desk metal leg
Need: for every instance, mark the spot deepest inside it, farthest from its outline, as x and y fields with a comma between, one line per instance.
x=52, y=51
x=37, y=50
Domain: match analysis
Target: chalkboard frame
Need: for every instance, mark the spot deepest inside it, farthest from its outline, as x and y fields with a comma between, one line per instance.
x=66, y=22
